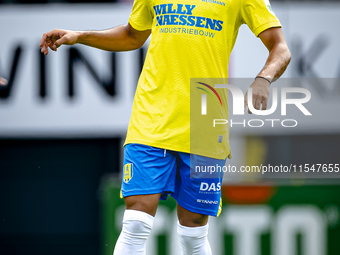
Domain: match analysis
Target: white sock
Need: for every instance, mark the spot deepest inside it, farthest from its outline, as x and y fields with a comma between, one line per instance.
x=136, y=229
x=194, y=240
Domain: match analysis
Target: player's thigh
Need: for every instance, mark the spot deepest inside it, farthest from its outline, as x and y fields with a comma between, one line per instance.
x=147, y=170
x=198, y=193
x=144, y=203
x=148, y=174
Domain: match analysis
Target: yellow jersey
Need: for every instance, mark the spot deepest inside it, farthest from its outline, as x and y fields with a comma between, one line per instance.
x=190, y=39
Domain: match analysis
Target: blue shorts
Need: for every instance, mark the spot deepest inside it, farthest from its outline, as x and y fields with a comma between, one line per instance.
x=150, y=170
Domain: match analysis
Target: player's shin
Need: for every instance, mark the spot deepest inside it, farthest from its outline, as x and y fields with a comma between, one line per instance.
x=136, y=229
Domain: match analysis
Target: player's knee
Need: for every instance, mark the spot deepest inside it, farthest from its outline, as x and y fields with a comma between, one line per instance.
x=144, y=203
x=195, y=232
x=136, y=229
x=190, y=219
x=194, y=240
x=137, y=223
x=197, y=221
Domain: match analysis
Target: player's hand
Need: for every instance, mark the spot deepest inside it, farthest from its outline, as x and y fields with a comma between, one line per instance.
x=57, y=37
x=260, y=93
x=3, y=81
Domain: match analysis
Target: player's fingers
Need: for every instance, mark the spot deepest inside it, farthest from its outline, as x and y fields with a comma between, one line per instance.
x=257, y=104
x=245, y=101
x=61, y=41
x=44, y=50
x=43, y=44
x=43, y=40
x=44, y=47
x=264, y=104
x=249, y=111
x=3, y=81
x=46, y=39
x=52, y=46
x=50, y=43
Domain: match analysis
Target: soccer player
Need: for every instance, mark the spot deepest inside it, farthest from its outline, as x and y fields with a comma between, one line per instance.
x=190, y=39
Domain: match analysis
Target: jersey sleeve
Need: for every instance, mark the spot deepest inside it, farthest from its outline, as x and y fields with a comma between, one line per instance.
x=258, y=15
x=141, y=15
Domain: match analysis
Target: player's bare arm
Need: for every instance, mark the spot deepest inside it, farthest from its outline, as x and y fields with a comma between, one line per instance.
x=121, y=38
x=277, y=62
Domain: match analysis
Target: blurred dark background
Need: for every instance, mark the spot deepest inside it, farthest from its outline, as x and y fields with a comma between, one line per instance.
x=49, y=193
